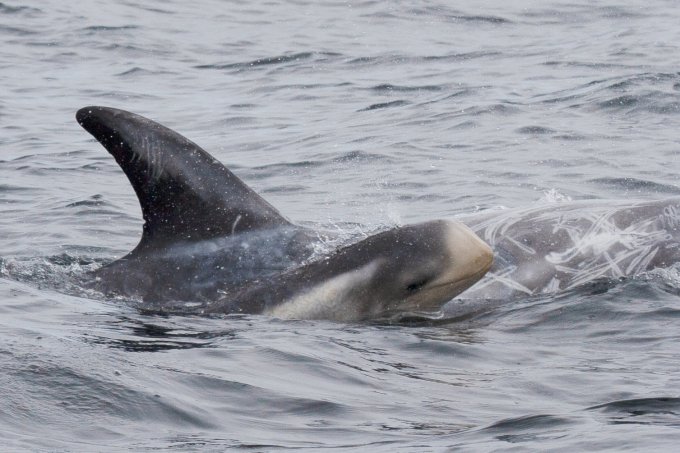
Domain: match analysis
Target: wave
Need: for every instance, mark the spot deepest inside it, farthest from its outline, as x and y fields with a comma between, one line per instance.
x=385, y=105
x=633, y=94
x=660, y=411
x=636, y=185
x=275, y=60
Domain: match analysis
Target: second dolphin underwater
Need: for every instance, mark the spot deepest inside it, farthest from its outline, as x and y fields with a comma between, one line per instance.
x=561, y=246
x=209, y=238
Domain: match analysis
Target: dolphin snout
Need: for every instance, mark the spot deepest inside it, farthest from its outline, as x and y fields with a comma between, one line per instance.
x=472, y=257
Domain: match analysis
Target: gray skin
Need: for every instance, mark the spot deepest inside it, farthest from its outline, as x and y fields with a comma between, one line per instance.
x=561, y=246
x=209, y=238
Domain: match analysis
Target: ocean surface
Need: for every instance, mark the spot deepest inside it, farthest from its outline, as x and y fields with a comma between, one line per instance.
x=350, y=116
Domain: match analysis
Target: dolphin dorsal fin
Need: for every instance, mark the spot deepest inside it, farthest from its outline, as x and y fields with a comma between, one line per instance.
x=185, y=193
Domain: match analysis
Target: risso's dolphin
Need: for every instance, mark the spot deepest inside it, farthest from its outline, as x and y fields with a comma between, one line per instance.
x=209, y=238
x=561, y=246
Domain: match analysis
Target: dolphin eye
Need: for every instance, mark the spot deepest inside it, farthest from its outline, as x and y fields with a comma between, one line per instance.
x=416, y=285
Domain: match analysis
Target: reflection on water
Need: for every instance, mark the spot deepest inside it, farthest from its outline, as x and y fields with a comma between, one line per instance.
x=137, y=335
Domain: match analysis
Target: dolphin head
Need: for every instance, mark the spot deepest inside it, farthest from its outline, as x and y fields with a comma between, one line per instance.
x=423, y=266
x=414, y=268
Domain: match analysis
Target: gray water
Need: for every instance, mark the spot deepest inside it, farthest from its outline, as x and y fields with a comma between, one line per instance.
x=350, y=116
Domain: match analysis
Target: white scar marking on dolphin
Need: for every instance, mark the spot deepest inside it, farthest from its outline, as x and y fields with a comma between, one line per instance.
x=670, y=217
x=505, y=278
x=233, y=227
x=151, y=152
x=521, y=246
x=611, y=248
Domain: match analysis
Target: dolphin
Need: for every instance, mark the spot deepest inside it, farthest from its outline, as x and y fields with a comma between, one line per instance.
x=209, y=239
x=555, y=247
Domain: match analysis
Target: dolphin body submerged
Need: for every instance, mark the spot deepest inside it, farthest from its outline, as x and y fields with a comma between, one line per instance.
x=209, y=238
x=555, y=247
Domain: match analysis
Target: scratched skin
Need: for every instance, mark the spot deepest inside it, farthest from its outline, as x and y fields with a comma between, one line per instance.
x=560, y=246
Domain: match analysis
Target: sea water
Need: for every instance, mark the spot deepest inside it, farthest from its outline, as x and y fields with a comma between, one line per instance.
x=349, y=116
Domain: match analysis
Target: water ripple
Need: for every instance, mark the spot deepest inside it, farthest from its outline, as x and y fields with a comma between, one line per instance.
x=271, y=61
x=636, y=185
x=642, y=411
x=9, y=9
x=385, y=105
